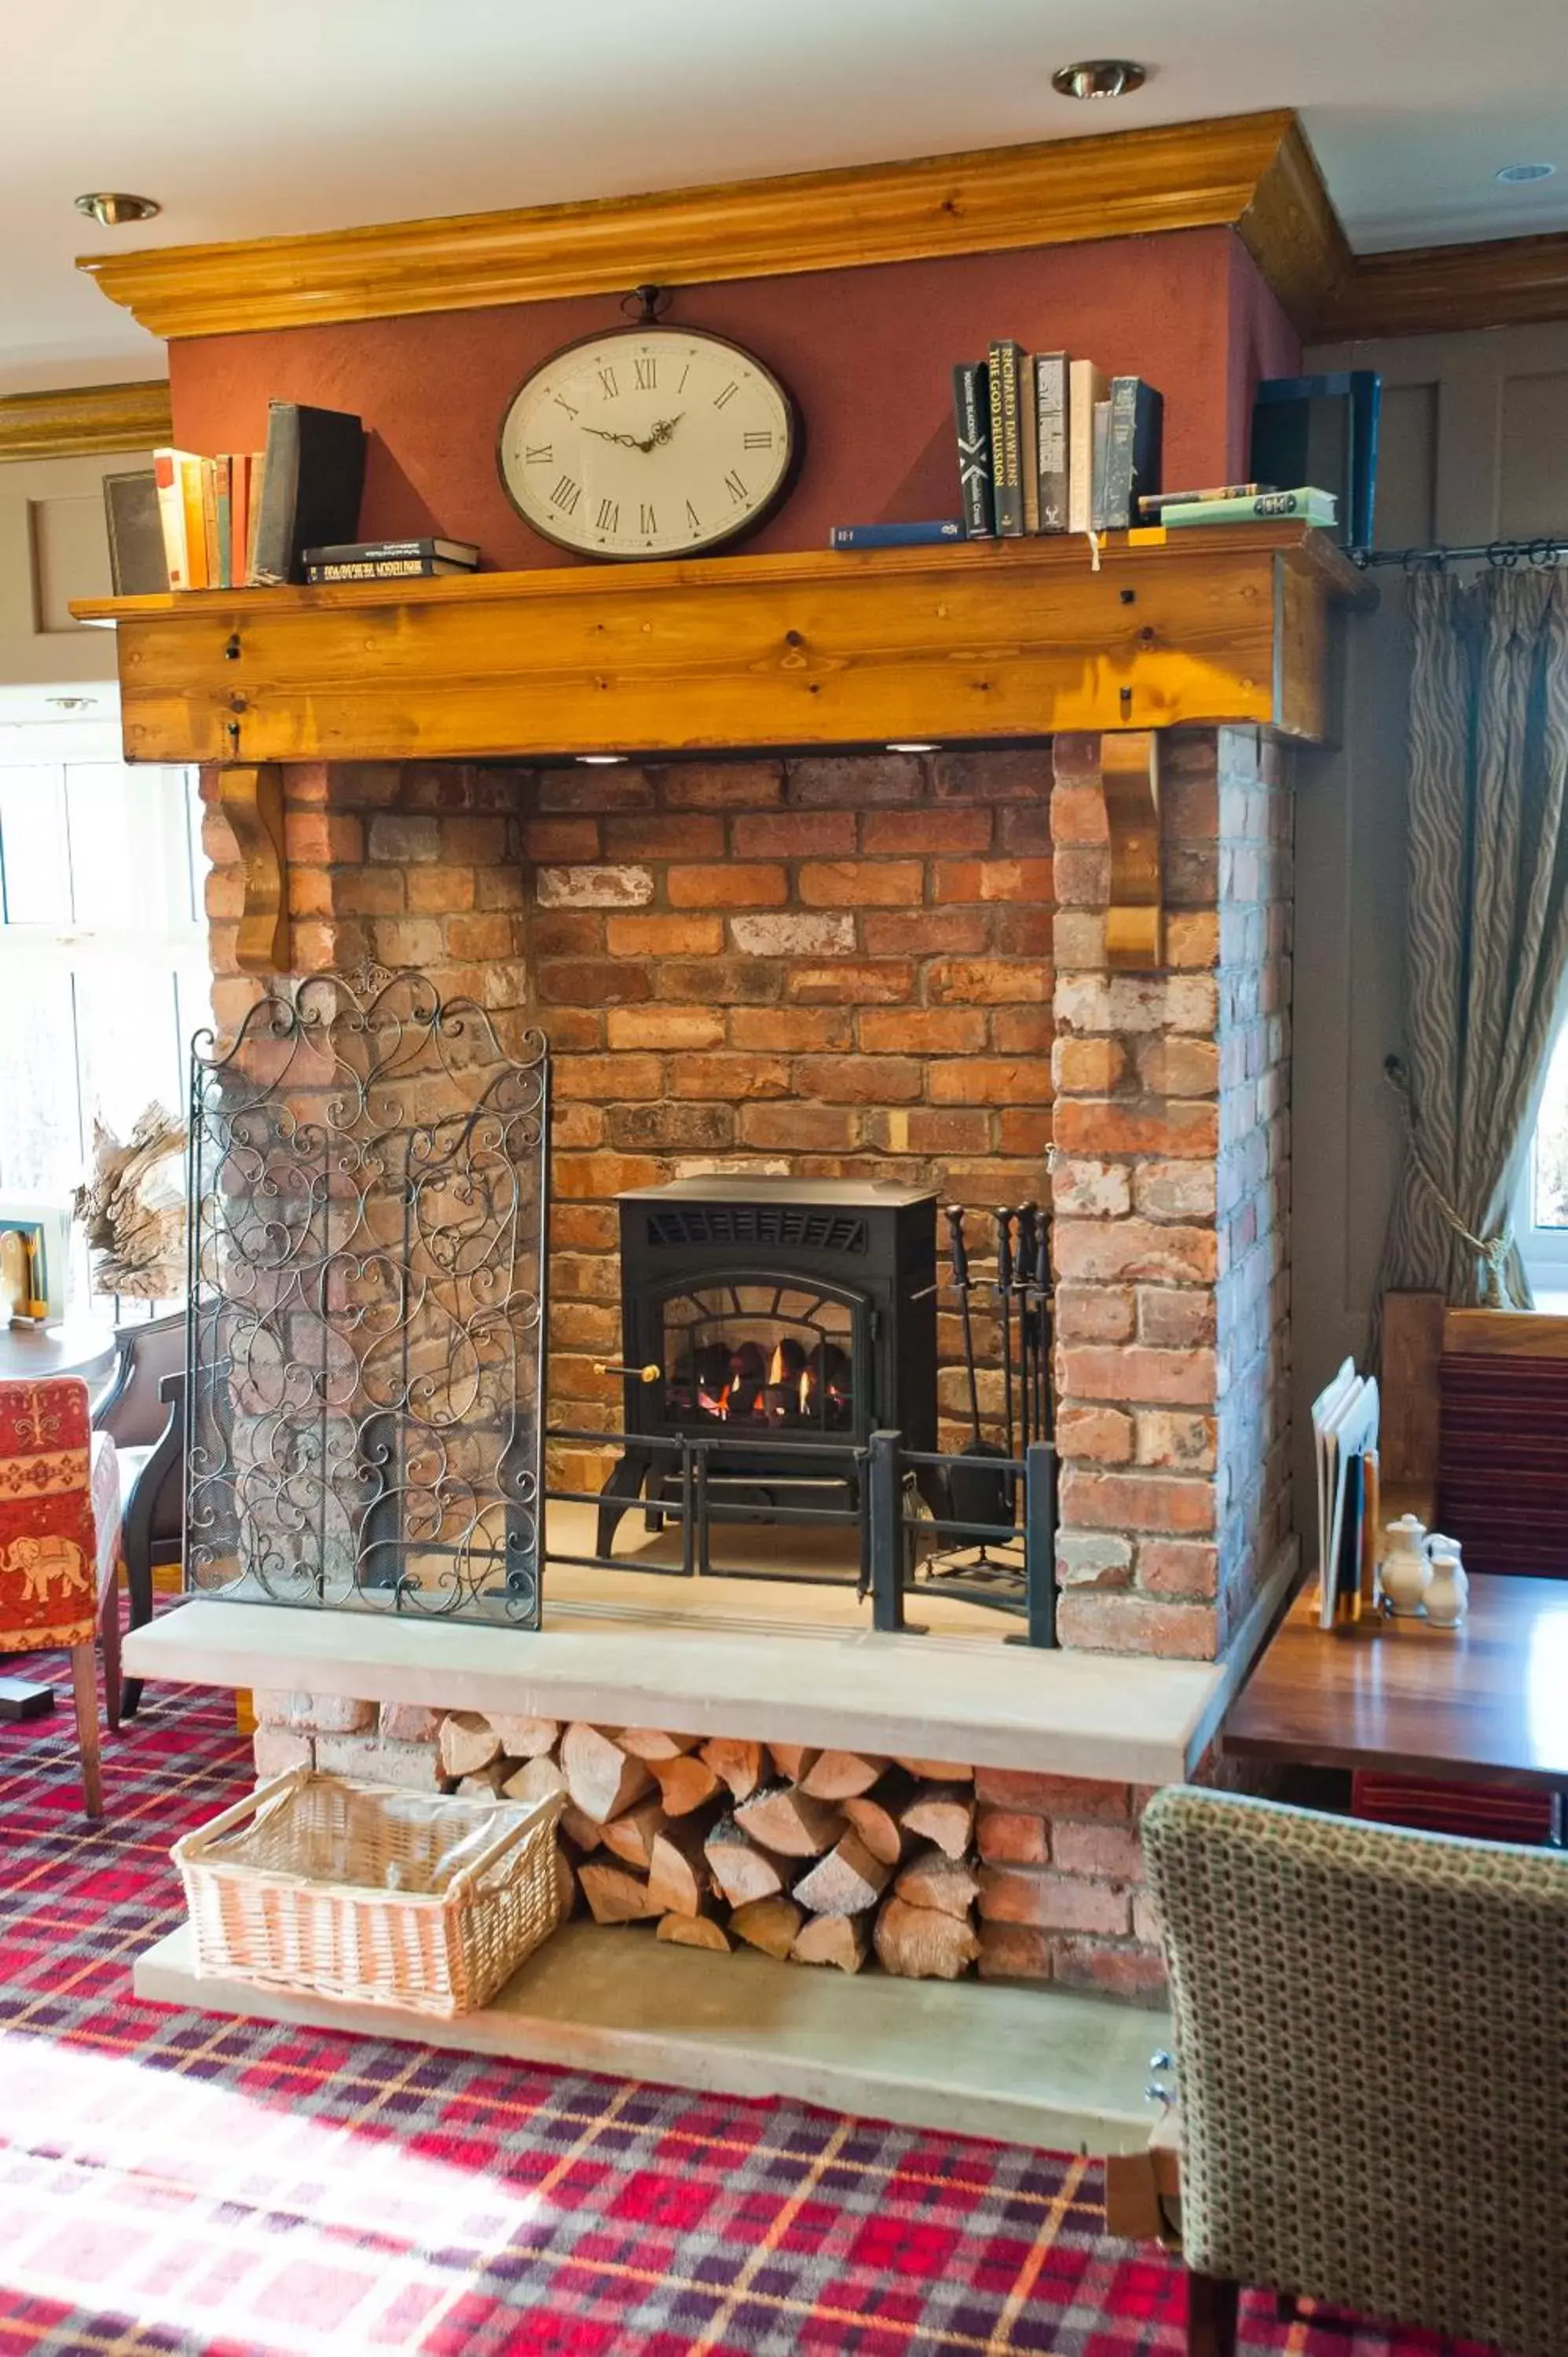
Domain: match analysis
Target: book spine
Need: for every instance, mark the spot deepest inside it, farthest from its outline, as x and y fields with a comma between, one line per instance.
x=1311, y=506
x=195, y=530
x=209, y=520
x=367, y=552
x=1028, y=443
x=1116, y=505
x=280, y=496
x=1050, y=437
x=223, y=499
x=254, y=524
x=894, y=535
x=238, y=514
x=1004, y=361
x=1154, y=502
x=385, y=568
x=1085, y=385
x=171, y=515
x=1099, y=460
x=971, y=422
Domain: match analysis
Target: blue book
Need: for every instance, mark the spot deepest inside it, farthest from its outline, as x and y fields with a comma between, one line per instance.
x=894, y=535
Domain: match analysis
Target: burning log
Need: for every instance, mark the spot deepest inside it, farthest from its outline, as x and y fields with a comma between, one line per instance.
x=786, y=1820
x=601, y=1779
x=770, y=1924
x=943, y=1814
x=923, y=1943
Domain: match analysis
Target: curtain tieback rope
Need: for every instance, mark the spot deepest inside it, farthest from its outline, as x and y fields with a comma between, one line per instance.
x=1492, y=1251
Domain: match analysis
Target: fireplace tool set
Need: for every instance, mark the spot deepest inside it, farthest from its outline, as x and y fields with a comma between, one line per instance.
x=1022, y=1295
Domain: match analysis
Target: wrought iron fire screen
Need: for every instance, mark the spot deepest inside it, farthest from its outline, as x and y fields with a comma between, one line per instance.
x=367, y=1290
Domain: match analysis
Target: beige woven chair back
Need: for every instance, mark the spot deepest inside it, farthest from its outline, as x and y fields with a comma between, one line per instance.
x=1373, y=2042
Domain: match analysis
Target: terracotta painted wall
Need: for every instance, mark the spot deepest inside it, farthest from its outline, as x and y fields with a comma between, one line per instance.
x=867, y=353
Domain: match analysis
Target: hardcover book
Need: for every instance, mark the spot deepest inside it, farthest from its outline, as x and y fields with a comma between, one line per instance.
x=1028, y=443
x=167, y=464
x=1133, y=454
x=1050, y=439
x=1312, y=506
x=384, y=568
x=1099, y=443
x=133, y=505
x=971, y=423
x=1086, y=386
x=1006, y=366
x=896, y=535
x=460, y=553
x=313, y=476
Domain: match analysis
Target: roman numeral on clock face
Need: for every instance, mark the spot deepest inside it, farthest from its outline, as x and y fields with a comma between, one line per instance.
x=537, y=454
x=562, y=402
x=735, y=487
x=693, y=518
x=566, y=495
x=647, y=373
x=727, y=394
x=758, y=441
x=647, y=521
x=608, y=517
x=607, y=379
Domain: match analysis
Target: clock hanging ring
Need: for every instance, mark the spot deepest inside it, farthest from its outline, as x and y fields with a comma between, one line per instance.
x=649, y=441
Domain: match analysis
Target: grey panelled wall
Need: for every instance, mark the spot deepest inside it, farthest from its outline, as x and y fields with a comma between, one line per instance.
x=1475, y=446
x=54, y=547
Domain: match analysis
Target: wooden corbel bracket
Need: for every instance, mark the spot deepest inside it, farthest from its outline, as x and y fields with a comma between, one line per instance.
x=250, y=799
x=1134, y=919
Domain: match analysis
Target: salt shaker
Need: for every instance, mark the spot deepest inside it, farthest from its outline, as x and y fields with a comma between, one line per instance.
x=1448, y=1592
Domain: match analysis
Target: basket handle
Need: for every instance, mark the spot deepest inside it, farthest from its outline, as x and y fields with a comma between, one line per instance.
x=549, y=1809
x=190, y=1844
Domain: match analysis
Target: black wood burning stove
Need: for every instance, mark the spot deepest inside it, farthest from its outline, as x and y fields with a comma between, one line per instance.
x=799, y=1314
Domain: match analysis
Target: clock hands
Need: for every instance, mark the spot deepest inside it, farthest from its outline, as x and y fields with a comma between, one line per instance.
x=660, y=433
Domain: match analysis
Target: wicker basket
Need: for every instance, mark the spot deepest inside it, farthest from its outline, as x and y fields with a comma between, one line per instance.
x=344, y=1890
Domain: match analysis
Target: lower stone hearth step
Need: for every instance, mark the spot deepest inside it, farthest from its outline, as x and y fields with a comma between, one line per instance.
x=1035, y=2066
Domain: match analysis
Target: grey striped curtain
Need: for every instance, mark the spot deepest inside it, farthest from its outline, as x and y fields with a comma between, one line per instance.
x=1487, y=916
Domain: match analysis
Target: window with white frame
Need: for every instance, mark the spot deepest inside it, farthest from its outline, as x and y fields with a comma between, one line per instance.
x=104, y=970
x=1541, y=1204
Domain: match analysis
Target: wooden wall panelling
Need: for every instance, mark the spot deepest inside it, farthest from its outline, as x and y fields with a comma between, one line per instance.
x=1412, y=1351
x=54, y=549
x=85, y=421
x=1252, y=172
x=1430, y=290
x=797, y=649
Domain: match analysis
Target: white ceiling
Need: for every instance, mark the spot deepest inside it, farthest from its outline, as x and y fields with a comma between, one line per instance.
x=267, y=116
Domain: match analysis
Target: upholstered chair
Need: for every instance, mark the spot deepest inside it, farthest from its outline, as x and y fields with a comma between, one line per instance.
x=1372, y=2055
x=60, y=1547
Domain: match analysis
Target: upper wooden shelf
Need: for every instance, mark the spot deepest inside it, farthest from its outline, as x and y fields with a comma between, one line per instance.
x=978, y=642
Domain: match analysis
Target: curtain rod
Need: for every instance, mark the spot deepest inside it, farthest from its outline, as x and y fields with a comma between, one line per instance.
x=1545, y=553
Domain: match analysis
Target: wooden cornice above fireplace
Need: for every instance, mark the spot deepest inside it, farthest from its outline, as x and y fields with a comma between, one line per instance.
x=1013, y=639
x=1253, y=173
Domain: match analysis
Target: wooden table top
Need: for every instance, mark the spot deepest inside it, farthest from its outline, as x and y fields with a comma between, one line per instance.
x=1485, y=1702
x=32, y=1354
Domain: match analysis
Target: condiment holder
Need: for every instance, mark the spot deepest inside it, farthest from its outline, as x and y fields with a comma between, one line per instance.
x=1448, y=1592
x=1404, y=1574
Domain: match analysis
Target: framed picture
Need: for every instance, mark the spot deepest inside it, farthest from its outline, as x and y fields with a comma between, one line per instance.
x=137, y=565
x=33, y=1260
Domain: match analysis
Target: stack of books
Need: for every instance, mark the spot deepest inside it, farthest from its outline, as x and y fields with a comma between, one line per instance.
x=1046, y=443
x=389, y=560
x=1238, y=503
x=243, y=519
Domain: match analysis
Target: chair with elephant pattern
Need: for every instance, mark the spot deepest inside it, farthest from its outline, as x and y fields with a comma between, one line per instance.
x=60, y=1547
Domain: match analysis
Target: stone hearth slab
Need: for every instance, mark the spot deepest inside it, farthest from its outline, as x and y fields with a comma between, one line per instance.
x=1043, y=2067
x=776, y=1679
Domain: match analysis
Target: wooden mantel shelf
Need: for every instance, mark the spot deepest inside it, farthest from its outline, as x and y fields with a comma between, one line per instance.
x=1011, y=639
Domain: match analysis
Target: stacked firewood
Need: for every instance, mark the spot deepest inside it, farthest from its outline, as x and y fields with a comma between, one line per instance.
x=821, y=1857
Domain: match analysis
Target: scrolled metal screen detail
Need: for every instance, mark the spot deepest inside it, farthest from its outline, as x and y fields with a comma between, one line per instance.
x=367, y=1290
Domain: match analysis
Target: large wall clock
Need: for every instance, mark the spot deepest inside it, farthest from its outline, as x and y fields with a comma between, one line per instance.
x=647, y=441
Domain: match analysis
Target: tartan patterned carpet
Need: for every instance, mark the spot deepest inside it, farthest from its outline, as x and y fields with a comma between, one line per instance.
x=178, y=2182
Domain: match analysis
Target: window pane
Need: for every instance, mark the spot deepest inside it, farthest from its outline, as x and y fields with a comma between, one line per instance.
x=40, y=1134
x=1550, y=1208
x=114, y=847
x=37, y=860
x=130, y=1054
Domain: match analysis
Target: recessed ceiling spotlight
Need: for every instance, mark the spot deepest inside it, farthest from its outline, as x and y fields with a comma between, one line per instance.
x=1514, y=176
x=600, y=760
x=913, y=745
x=71, y=703
x=112, y=207
x=1097, y=78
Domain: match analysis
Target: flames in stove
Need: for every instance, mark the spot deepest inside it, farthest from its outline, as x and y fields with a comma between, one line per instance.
x=747, y=1384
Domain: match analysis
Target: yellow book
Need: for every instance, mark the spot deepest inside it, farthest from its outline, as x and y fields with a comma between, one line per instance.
x=195, y=521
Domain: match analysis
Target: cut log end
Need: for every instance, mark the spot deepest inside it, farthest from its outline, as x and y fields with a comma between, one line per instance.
x=932, y=1878
x=602, y=1779
x=838, y=1940
x=741, y=1870
x=785, y=1819
x=738, y=1765
x=841, y=1775
x=923, y=1943
x=614, y=1895
x=684, y=1782
x=846, y=1882
x=468, y=1742
x=770, y=1924
x=695, y=1932
x=942, y=1814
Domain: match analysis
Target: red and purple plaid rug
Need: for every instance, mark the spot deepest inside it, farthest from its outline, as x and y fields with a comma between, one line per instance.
x=180, y=2182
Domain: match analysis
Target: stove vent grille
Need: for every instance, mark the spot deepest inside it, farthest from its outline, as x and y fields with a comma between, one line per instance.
x=811, y=1227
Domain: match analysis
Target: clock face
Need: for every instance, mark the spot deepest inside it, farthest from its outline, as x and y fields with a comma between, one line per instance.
x=647, y=442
